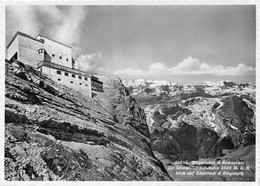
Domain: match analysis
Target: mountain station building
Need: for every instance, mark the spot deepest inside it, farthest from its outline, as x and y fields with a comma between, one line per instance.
x=54, y=60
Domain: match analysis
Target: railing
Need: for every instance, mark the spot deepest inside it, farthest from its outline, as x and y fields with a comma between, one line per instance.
x=39, y=65
x=100, y=89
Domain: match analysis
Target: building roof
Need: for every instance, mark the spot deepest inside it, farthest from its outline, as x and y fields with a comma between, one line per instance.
x=34, y=38
x=53, y=40
x=60, y=67
x=22, y=34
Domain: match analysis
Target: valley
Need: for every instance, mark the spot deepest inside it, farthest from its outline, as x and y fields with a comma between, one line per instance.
x=209, y=122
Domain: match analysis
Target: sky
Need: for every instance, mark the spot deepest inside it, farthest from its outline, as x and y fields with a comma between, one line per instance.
x=176, y=43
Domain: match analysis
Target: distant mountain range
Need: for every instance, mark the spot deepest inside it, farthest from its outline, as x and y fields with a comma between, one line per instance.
x=143, y=87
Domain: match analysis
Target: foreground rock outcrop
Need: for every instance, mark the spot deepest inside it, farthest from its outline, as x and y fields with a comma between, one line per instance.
x=55, y=133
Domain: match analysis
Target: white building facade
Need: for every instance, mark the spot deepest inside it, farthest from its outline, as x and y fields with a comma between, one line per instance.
x=54, y=60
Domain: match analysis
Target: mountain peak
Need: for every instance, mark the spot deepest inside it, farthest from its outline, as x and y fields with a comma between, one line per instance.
x=208, y=83
x=224, y=83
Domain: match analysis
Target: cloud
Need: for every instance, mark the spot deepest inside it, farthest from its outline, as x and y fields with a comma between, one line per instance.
x=90, y=61
x=17, y=18
x=131, y=72
x=189, y=66
x=157, y=67
x=59, y=23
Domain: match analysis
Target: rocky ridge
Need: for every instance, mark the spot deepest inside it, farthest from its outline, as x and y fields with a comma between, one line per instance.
x=55, y=133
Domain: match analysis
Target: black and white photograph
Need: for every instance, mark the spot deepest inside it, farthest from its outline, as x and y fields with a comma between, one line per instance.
x=130, y=92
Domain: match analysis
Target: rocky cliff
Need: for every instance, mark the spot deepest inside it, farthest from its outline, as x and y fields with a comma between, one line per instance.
x=199, y=129
x=55, y=133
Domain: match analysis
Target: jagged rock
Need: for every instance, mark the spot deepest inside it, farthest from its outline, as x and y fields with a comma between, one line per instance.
x=178, y=135
x=118, y=102
x=55, y=133
x=189, y=143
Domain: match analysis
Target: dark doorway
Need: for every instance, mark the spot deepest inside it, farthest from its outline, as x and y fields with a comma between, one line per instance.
x=73, y=64
x=14, y=57
x=47, y=57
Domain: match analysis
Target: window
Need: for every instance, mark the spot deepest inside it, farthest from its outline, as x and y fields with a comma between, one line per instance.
x=53, y=55
x=73, y=75
x=60, y=57
x=86, y=78
x=86, y=85
x=79, y=77
x=59, y=79
x=80, y=83
x=41, y=50
x=58, y=72
x=67, y=59
x=66, y=74
x=71, y=81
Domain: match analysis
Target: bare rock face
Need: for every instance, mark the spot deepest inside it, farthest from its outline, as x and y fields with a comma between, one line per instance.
x=188, y=143
x=182, y=134
x=55, y=133
x=213, y=129
x=118, y=102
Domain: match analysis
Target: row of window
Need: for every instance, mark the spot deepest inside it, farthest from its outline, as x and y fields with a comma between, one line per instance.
x=53, y=55
x=42, y=50
x=96, y=83
x=72, y=75
x=73, y=82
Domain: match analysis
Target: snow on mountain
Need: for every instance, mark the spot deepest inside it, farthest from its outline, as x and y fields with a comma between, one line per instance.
x=188, y=88
x=155, y=87
x=134, y=83
x=150, y=83
x=224, y=83
x=208, y=84
x=150, y=87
